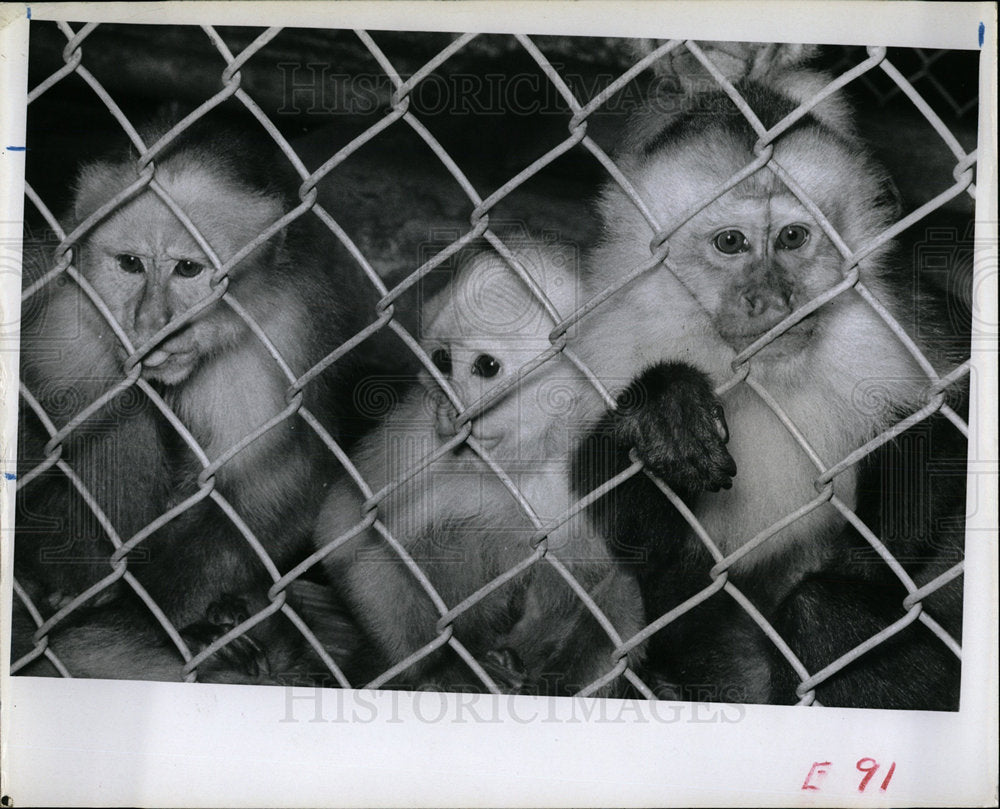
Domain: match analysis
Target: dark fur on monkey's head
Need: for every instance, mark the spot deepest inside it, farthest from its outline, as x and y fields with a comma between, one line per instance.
x=714, y=112
x=715, y=109
x=240, y=155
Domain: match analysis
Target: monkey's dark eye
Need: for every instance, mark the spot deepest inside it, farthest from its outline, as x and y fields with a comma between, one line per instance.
x=188, y=269
x=132, y=264
x=731, y=242
x=442, y=360
x=485, y=365
x=792, y=237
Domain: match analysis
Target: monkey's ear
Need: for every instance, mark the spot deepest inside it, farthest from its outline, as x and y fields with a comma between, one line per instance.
x=96, y=184
x=277, y=241
x=771, y=60
x=890, y=199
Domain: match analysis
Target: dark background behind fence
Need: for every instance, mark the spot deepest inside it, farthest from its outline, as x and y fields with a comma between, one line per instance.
x=490, y=107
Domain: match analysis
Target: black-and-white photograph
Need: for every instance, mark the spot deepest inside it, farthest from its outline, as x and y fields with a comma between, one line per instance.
x=505, y=364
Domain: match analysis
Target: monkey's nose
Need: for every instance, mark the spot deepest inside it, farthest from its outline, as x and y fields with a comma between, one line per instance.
x=445, y=422
x=757, y=303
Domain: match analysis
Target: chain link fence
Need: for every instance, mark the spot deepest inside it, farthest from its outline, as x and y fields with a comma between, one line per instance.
x=855, y=67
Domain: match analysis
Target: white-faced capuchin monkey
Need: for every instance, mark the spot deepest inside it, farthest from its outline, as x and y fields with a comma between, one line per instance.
x=213, y=373
x=458, y=521
x=743, y=263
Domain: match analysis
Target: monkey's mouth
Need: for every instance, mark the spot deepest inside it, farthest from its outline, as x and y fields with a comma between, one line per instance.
x=487, y=441
x=169, y=366
x=444, y=426
x=789, y=341
x=157, y=358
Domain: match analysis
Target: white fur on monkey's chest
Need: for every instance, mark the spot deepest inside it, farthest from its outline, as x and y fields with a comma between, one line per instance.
x=776, y=473
x=776, y=477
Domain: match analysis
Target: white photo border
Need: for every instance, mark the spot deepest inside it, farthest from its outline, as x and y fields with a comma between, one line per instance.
x=129, y=743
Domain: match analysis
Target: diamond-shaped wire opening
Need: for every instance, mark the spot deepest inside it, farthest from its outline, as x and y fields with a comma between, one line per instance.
x=576, y=114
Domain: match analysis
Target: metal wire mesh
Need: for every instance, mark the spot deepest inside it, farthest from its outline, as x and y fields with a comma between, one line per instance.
x=383, y=317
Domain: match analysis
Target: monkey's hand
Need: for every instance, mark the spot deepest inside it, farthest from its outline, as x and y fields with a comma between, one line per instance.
x=672, y=418
x=506, y=669
x=241, y=659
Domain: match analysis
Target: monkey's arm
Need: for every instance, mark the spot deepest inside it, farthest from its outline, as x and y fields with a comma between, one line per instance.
x=670, y=416
x=121, y=642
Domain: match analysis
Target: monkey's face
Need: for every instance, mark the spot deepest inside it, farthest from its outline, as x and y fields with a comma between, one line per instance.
x=483, y=329
x=758, y=259
x=755, y=254
x=149, y=269
x=478, y=369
